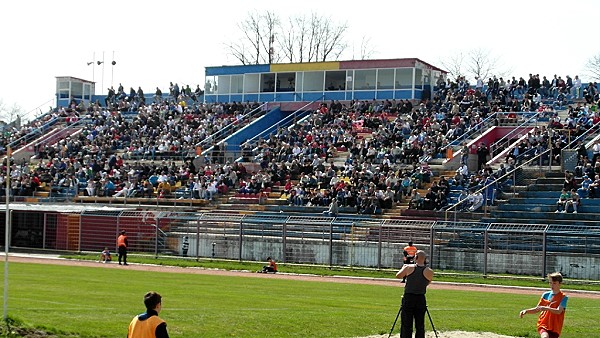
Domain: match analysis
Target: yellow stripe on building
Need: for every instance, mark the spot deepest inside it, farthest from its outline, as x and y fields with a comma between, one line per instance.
x=308, y=66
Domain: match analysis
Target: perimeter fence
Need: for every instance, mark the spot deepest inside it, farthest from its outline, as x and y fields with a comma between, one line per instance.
x=486, y=248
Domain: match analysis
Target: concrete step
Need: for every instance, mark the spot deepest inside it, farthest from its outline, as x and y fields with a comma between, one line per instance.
x=545, y=217
x=558, y=221
x=546, y=187
x=549, y=201
x=550, y=207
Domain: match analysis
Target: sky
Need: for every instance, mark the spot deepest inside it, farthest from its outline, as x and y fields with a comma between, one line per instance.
x=155, y=42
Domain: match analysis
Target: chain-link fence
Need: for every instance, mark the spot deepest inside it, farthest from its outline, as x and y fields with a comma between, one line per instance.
x=485, y=248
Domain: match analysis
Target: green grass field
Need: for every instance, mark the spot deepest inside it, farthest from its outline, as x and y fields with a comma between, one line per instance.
x=97, y=302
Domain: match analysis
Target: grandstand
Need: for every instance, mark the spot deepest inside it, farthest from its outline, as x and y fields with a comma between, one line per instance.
x=387, y=140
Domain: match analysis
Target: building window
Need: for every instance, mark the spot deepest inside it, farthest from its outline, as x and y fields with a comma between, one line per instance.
x=237, y=84
x=77, y=90
x=286, y=82
x=313, y=81
x=364, y=79
x=267, y=82
x=251, y=83
x=385, y=79
x=419, y=78
x=224, y=84
x=210, y=86
x=335, y=80
x=403, y=78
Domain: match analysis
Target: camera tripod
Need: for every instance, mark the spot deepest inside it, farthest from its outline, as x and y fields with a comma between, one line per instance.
x=400, y=311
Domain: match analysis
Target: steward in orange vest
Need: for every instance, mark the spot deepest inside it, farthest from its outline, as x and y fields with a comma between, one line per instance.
x=409, y=253
x=122, y=244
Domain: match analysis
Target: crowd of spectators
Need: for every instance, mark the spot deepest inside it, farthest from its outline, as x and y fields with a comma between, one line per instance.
x=389, y=143
x=116, y=153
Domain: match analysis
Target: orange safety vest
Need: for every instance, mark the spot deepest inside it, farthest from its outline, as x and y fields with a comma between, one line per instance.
x=410, y=250
x=548, y=320
x=121, y=240
x=273, y=265
x=144, y=328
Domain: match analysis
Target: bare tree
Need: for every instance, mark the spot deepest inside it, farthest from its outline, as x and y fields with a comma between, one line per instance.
x=270, y=26
x=477, y=62
x=257, y=44
x=453, y=64
x=592, y=67
x=298, y=39
x=10, y=115
x=250, y=43
x=482, y=64
x=288, y=39
x=327, y=42
x=366, y=50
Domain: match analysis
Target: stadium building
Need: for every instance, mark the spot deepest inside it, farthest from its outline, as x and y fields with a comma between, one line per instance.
x=334, y=80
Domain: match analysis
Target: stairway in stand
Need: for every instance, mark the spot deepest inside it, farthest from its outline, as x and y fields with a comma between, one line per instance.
x=537, y=205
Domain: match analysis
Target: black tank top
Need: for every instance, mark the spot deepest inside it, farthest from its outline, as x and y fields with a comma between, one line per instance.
x=416, y=283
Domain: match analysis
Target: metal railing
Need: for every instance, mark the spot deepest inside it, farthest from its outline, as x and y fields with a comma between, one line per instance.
x=504, y=140
x=478, y=128
x=513, y=174
x=207, y=144
x=288, y=120
x=480, y=247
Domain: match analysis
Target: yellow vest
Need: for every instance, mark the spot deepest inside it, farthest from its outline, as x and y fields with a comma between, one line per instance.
x=144, y=328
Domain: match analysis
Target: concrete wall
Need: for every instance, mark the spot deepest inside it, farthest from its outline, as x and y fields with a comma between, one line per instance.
x=518, y=263
x=365, y=254
x=311, y=251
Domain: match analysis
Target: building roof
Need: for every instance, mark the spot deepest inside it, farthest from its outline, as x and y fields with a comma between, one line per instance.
x=326, y=65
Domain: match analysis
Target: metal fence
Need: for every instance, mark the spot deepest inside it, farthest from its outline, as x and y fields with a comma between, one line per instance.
x=485, y=248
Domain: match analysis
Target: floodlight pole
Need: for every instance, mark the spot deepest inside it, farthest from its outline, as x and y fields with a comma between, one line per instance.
x=6, y=233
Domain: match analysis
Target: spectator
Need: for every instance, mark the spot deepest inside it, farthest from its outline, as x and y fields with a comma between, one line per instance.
x=561, y=204
x=108, y=187
x=415, y=201
x=594, y=190
x=476, y=200
x=482, y=155
x=490, y=185
x=569, y=182
x=596, y=151
x=126, y=190
x=91, y=188
x=333, y=208
x=271, y=266
x=463, y=200
x=105, y=255
x=584, y=191
x=573, y=201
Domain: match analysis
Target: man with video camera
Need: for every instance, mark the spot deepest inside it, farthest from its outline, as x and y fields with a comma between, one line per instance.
x=414, y=305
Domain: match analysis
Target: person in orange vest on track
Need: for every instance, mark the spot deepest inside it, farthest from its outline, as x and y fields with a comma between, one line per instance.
x=552, y=307
x=409, y=253
x=149, y=324
x=122, y=244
